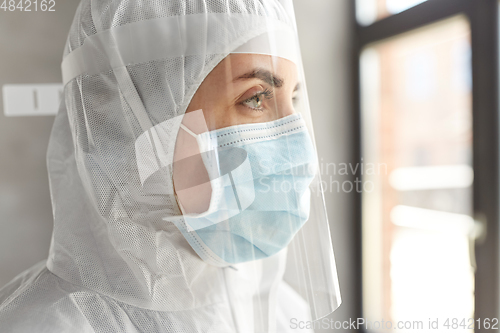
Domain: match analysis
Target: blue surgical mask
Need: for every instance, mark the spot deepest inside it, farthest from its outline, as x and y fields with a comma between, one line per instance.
x=260, y=176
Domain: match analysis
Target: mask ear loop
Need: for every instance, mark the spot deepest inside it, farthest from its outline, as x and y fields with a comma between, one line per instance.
x=189, y=131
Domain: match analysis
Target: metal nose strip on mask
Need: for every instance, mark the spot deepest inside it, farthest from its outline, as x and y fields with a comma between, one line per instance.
x=247, y=133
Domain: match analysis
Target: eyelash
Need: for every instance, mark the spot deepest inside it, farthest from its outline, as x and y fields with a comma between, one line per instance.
x=268, y=94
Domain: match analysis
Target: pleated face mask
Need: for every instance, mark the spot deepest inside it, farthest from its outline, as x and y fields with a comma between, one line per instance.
x=259, y=176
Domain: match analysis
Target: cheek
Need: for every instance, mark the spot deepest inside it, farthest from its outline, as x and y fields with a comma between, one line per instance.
x=217, y=115
x=237, y=115
x=227, y=116
x=214, y=107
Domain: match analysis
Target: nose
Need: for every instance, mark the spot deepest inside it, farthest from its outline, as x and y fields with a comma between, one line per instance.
x=286, y=109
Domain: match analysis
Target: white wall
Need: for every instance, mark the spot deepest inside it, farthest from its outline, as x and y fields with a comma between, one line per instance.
x=31, y=49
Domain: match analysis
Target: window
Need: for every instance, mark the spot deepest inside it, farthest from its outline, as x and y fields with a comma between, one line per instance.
x=417, y=130
x=427, y=98
x=369, y=11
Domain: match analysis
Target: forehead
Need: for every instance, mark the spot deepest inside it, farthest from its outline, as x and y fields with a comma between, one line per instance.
x=237, y=65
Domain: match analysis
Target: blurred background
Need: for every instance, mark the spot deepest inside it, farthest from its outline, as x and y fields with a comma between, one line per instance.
x=404, y=97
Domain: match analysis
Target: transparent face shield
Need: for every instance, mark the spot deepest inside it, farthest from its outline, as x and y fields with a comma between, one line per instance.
x=245, y=171
x=201, y=124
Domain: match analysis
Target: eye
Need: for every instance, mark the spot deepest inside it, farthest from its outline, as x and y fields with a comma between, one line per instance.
x=255, y=102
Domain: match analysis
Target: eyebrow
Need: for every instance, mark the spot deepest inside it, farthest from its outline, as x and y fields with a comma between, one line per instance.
x=264, y=75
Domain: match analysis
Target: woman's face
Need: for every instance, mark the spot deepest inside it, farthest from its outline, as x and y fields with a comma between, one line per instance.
x=242, y=89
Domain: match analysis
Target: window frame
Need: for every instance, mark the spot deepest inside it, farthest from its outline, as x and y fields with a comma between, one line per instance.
x=483, y=16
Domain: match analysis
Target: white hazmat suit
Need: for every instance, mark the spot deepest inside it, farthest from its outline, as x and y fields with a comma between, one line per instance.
x=126, y=254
